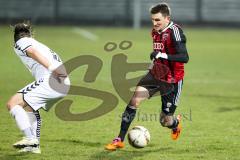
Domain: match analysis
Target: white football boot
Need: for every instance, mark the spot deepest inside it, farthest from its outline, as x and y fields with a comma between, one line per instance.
x=35, y=150
x=26, y=142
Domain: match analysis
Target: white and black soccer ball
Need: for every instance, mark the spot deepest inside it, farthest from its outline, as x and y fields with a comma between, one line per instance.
x=138, y=137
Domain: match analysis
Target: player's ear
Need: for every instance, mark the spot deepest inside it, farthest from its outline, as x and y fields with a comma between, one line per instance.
x=168, y=18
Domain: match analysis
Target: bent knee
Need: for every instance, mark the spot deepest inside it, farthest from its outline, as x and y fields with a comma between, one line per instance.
x=15, y=100
x=135, y=102
x=9, y=105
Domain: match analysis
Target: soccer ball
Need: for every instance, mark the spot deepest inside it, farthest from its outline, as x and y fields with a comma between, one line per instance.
x=138, y=137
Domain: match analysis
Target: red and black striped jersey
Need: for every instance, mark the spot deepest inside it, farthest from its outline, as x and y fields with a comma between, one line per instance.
x=171, y=41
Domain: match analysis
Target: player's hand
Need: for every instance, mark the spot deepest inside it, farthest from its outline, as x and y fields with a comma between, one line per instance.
x=58, y=73
x=157, y=55
x=153, y=55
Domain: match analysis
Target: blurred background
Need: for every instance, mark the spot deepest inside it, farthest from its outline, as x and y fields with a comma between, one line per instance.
x=118, y=12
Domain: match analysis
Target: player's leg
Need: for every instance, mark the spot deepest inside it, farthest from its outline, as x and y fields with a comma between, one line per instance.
x=140, y=94
x=169, y=105
x=40, y=94
x=146, y=87
x=37, y=95
x=15, y=106
x=35, y=118
x=35, y=121
x=35, y=124
x=172, y=122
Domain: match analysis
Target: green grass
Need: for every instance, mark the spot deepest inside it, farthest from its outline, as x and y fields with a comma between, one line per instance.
x=210, y=94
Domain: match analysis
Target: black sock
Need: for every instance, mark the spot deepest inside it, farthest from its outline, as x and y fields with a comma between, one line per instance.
x=127, y=119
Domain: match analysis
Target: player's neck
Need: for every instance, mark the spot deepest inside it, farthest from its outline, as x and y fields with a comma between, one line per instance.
x=162, y=30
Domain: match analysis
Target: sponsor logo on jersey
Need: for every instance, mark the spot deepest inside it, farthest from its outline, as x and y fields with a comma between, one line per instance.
x=158, y=46
x=165, y=36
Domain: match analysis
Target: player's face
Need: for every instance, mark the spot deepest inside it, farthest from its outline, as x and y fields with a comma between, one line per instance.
x=159, y=21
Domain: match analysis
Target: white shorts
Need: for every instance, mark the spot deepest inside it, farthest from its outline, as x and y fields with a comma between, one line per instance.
x=42, y=93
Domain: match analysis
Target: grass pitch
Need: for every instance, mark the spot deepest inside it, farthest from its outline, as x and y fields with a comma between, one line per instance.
x=209, y=101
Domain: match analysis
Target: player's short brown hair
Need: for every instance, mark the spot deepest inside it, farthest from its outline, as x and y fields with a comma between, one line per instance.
x=162, y=8
x=22, y=30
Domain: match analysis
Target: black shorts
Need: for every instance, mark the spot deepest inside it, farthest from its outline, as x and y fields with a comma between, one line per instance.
x=170, y=92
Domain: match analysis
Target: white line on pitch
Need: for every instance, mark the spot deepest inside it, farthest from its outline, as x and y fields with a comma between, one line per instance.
x=86, y=34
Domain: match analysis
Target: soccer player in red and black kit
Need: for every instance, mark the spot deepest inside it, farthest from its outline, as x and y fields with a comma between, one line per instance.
x=166, y=75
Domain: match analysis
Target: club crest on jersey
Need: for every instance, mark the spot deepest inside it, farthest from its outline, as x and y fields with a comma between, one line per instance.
x=165, y=36
x=158, y=46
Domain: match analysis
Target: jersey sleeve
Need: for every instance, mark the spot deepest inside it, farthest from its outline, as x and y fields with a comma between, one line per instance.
x=179, y=41
x=23, y=44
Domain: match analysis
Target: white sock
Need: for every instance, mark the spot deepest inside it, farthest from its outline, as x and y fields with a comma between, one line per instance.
x=22, y=120
x=35, y=121
x=28, y=133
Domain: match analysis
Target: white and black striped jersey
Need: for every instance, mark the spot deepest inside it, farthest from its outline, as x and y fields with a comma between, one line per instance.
x=37, y=70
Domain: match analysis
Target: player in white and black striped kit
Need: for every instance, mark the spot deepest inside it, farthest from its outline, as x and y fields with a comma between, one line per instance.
x=46, y=67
